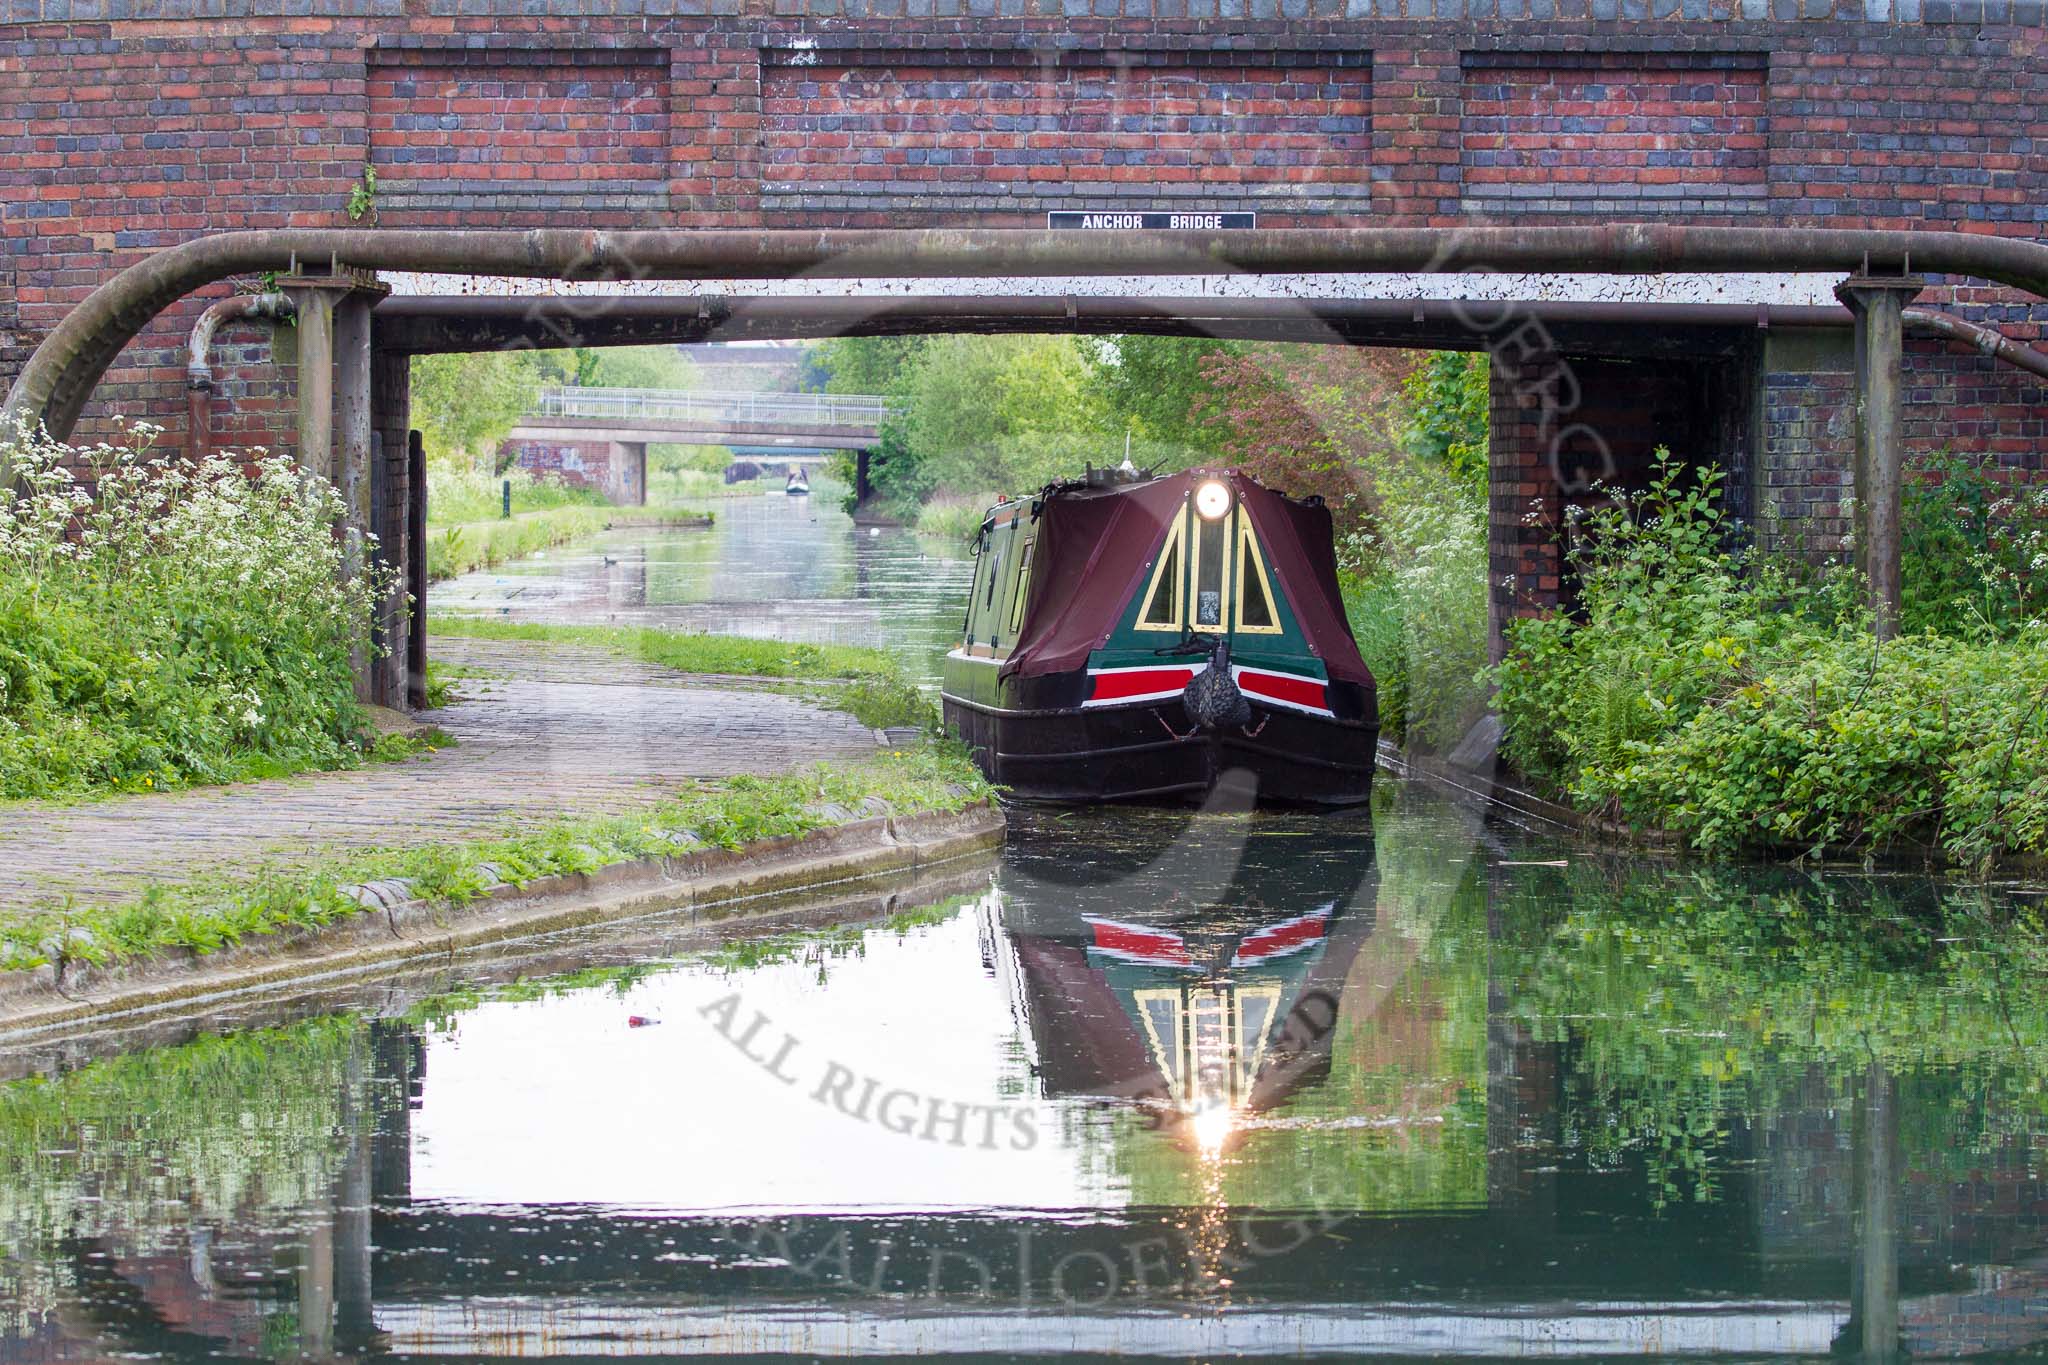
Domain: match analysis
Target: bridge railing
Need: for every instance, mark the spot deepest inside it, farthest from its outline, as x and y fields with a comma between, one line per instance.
x=743, y=408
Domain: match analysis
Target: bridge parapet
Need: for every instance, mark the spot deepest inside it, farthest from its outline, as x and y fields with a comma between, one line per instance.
x=713, y=408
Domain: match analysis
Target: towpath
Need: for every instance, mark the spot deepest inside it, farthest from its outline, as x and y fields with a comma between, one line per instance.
x=541, y=731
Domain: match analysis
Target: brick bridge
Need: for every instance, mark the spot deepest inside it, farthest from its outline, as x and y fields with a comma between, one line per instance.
x=127, y=126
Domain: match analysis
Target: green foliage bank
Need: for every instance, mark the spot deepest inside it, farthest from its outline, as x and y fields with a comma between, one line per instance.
x=142, y=640
x=1744, y=704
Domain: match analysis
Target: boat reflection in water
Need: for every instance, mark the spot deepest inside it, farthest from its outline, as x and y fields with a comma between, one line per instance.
x=1204, y=1004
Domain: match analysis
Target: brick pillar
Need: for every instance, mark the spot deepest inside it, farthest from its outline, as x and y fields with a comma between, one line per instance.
x=390, y=500
x=1417, y=102
x=1524, y=503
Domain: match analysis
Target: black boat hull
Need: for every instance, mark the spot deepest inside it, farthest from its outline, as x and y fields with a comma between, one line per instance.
x=1153, y=752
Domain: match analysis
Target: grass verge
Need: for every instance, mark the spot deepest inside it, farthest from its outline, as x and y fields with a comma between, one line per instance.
x=465, y=547
x=729, y=813
x=867, y=684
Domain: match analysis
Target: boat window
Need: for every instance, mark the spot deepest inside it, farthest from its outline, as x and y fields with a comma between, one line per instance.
x=1162, y=594
x=1023, y=587
x=995, y=569
x=1255, y=612
x=1209, y=559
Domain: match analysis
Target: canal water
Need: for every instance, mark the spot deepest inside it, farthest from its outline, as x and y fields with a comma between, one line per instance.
x=1160, y=1084
x=771, y=566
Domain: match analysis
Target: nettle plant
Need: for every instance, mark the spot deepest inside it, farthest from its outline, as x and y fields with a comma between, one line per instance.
x=164, y=622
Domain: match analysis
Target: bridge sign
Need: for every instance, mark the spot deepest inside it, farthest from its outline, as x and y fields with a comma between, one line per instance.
x=1151, y=222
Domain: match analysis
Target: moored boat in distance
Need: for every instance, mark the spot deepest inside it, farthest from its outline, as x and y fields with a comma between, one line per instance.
x=1133, y=637
x=799, y=484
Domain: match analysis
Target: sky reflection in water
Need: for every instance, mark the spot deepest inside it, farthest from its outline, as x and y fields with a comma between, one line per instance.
x=1336, y=1085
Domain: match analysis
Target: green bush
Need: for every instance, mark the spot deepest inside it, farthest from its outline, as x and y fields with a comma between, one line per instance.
x=1741, y=704
x=1415, y=592
x=1450, y=411
x=1975, y=549
x=179, y=624
x=953, y=517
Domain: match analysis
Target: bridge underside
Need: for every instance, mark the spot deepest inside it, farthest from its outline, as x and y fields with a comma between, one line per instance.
x=429, y=324
x=1583, y=392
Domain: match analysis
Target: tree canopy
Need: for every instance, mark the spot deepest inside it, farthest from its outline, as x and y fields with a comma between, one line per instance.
x=466, y=403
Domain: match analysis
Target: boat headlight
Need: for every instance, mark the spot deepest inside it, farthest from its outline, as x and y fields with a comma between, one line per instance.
x=1212, y=500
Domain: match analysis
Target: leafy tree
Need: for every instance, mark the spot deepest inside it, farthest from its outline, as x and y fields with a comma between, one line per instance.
x=1307, y=419
x=869, y=364
x=1450, y=404
x=812, y=375
x=635, y=367
x=1158, y=389
x=466, y=404
x=1002, y=412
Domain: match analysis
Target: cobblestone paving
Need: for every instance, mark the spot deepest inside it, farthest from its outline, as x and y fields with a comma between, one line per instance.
x=546, y=731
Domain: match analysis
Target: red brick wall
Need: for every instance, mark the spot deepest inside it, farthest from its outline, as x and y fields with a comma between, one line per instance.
x=984, y=131
x=1633, y=133
x=1902, y=136
x=526, y=136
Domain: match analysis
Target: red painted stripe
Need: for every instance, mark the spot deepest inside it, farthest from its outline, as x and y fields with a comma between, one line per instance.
x=1139, y=682
x=1285, y=687
x=1135, y=941
x=1278, y=938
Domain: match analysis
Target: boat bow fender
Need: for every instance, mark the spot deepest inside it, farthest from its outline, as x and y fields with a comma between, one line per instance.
x=1212, y=697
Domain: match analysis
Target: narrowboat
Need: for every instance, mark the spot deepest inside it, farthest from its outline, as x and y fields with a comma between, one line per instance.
x=1134, y=637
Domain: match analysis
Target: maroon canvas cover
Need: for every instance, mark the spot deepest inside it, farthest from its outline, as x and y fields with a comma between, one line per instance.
x=1095, y=544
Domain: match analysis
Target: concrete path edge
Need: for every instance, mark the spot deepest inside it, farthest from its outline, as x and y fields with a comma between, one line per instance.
x=703, y=879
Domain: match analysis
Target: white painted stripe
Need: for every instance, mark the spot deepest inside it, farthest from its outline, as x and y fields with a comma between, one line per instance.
x=1147, y=668
x=1759, y=287
x=633, y=1326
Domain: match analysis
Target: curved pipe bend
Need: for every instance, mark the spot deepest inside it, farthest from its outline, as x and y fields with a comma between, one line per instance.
x=199, y=364
x=199, y=347
x=54, y=385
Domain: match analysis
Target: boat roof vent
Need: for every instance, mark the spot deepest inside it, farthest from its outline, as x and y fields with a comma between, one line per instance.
x=1106, y=477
